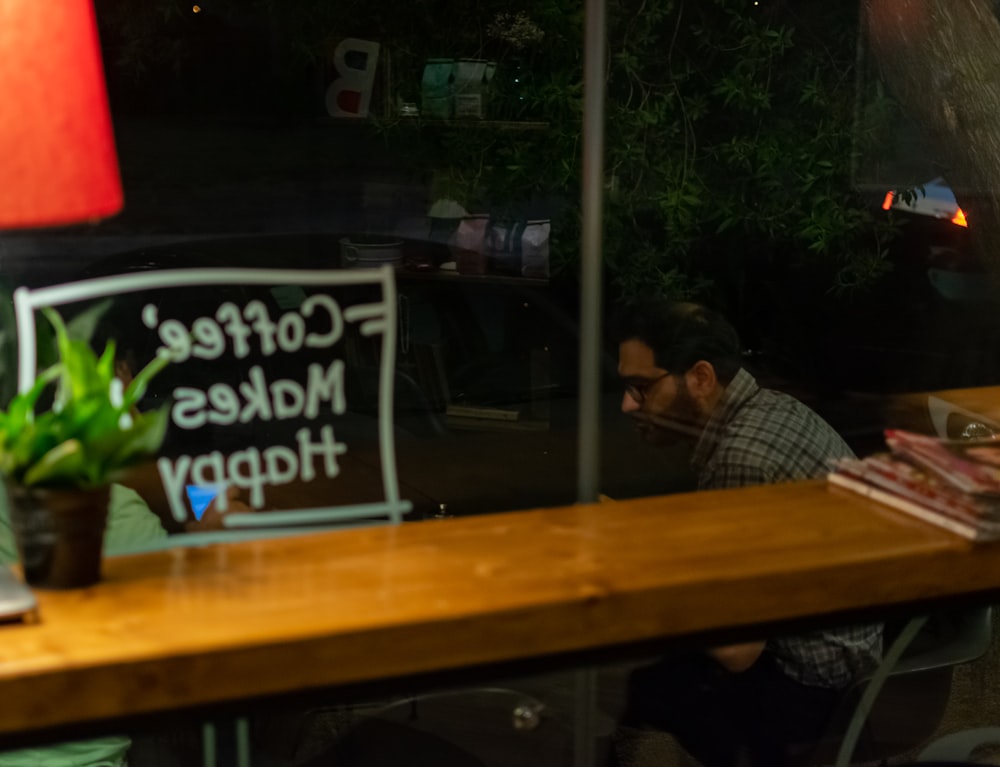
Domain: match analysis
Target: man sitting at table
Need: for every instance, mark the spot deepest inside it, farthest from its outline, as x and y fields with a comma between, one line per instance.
x=681, y=367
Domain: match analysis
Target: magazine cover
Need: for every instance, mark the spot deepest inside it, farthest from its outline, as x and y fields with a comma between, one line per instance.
x=897, y=483
x=972, y=466
x=899, y=476
x=961, y=527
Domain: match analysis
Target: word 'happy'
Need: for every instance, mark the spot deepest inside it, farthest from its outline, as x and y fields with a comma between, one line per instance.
x=252, y=469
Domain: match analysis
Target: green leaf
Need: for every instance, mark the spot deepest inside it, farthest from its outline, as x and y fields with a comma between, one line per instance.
x=22, y=407
x=137, y=387
x=106, y=364
x=90, y=432
x=63, y=464
x=144, y=438
x=91, y=418
x=84, y=324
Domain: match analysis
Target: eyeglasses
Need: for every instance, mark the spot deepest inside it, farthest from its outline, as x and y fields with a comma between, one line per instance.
x=638, y=390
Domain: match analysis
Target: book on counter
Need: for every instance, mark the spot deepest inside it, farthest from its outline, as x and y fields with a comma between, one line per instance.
x=972, y=466
x=952, y=484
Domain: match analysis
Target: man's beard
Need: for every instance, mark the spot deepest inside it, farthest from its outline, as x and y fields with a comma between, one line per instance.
x=682, y=422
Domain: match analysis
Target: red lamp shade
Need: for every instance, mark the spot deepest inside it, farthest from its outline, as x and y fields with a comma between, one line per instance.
x=57, y=152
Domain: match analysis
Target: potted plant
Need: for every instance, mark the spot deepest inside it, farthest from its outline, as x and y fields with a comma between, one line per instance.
x=58, y=464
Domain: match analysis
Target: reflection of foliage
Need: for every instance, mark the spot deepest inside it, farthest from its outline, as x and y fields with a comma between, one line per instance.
x=732, y=134
x=515, y=29
x=146, y=36
x=507, y=164
x=731, y=129
x=163, y=31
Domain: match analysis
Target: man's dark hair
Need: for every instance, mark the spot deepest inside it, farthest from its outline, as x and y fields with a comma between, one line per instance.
x=680, y=334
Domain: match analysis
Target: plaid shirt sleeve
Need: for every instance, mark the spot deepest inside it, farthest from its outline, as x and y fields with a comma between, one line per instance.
x=763, y=437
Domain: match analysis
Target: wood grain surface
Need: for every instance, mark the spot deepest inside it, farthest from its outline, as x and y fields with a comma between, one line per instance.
x=911, y=411
x=185, y=627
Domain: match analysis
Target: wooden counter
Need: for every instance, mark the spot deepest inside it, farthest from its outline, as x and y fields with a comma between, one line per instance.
x=187, y=627
x=190, y=627
x=982, y=399
x=933, y=412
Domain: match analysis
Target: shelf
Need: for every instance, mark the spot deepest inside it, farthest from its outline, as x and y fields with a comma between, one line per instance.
x=446, y=275
x=510, y=125
x=420, y=122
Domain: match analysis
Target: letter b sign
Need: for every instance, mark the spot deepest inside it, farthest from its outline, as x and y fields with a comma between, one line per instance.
x=350, y=94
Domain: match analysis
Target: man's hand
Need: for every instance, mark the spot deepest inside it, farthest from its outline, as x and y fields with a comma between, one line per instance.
x=212, y=518
x=738, y=657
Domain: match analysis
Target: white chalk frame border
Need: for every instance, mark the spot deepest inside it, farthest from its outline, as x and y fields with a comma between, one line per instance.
x=372, y=318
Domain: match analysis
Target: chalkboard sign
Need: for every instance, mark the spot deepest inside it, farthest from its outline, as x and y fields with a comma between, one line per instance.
x=279, y=362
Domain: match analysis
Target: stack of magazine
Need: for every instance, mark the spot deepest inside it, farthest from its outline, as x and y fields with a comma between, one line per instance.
x=952, y=484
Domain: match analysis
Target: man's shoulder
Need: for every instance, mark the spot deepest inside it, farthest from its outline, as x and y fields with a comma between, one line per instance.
x=785, y=416
x=773, y=412
x=746, y=401
x=773, y=437
x=773, y=399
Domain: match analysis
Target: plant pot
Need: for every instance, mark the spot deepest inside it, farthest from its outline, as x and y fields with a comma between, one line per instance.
x=59, y=534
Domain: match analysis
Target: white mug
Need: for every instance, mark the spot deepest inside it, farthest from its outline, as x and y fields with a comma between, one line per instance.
x=369, y=251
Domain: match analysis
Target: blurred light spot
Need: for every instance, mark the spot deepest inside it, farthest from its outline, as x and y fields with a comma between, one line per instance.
x=196, y=8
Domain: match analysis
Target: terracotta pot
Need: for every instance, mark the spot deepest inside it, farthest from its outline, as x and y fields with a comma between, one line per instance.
x=59, y=534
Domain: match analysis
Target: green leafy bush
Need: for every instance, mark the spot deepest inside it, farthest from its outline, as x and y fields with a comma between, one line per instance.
x=91, y=432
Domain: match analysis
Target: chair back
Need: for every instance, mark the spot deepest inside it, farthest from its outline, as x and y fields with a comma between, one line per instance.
x=959, y=747
x=901, y=704
x=479, y=727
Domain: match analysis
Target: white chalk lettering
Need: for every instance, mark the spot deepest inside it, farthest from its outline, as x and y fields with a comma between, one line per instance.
x=255, y=393
x=288, y=398
x=329, y=387
x=252, y=469
x=276, y=455
x=252, y=332
x=209, y=469
x=189, y=406
x=261, y=322
x=225, y=404
x=281, y=400
x=173, y=477
x=211, y=343
x=229, y=315
x=327, y=448
x=314, y=340
x=150, y=316
x=207, y=338
x=176, y=340
x=252, y=478
x=291, y=332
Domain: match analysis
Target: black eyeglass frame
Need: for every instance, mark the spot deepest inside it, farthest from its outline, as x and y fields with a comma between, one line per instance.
x=639, y=391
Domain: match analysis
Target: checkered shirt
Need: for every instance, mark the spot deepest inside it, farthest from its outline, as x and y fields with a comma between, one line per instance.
x=758, y=436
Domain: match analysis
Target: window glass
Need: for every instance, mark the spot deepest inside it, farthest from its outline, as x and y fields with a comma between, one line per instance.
x=355, y=227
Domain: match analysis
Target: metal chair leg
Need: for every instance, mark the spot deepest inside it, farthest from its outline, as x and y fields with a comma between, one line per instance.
x=874, y=687
x=583, y=731
x=208, y=745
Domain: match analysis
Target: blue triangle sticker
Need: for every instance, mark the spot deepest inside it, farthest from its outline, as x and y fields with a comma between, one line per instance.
x=200, y=498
